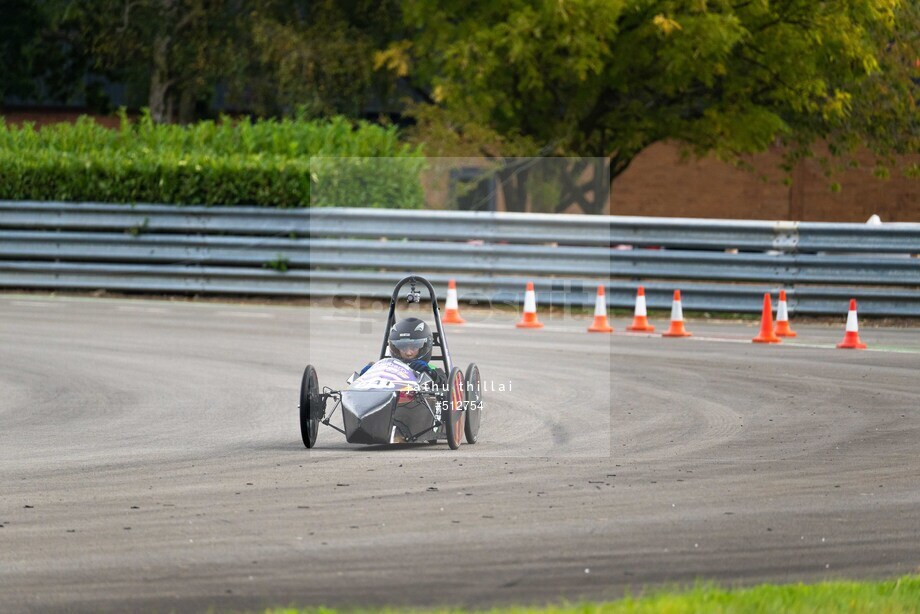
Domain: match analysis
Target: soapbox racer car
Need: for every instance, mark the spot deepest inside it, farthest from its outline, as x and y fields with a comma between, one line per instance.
x=391, y=403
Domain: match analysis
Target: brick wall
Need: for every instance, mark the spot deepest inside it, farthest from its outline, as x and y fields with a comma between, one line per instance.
x=659, y=183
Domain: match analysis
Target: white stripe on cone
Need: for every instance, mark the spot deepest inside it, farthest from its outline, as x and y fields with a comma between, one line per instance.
x=530, y=301
x=452, y=299
x=852, y=324
x=677, y=312
x=782, y=313
x=600, y=305
x=640, y=305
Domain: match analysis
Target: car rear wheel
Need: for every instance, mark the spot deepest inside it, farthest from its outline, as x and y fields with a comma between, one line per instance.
x=311, y=409
x=473, y=405
x=453, y=415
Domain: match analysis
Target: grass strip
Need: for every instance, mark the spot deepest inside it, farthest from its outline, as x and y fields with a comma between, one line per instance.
x=897, y=596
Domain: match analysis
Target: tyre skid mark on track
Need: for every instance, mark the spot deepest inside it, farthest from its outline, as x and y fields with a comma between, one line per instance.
x=678, y=431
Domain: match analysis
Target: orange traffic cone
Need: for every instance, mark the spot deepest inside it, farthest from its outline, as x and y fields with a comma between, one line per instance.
x=677, y=319
x=452, y=308
x=782, y=318
x=529, y=318
x=640, y=319
x=766, y=323
x=600, y=314
x=851, y=339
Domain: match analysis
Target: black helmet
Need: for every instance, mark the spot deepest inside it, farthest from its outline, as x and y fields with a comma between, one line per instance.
x=408, y=335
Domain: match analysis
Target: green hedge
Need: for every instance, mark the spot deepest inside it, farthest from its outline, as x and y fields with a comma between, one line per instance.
x=270, y=163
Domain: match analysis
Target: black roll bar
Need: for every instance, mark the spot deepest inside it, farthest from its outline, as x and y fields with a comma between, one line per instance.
x=440, y=339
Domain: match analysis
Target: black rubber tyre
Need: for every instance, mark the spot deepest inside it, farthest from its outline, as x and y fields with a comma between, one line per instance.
x=473, y=406
x=453, y=416
x=311, y=410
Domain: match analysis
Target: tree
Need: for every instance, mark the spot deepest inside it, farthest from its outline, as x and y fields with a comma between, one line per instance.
x=608, y=78
x=884, y=114
x=314, y=57
x=175, y=49
x=269, y=57
x=20, y=24
x=39, y=59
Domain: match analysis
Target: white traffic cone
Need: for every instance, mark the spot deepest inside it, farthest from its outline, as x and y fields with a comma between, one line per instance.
x=677, y=319
x=452, y=307
x=529, y=318
x=640, y=319
x=600, y=314
x=851, y=340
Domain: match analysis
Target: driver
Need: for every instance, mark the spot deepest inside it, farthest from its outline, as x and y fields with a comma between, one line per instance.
x=411, y=341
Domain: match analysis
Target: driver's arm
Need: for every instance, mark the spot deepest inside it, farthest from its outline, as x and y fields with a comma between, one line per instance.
x=437, y=375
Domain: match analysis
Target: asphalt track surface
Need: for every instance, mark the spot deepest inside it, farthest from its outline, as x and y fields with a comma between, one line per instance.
x=150, y=460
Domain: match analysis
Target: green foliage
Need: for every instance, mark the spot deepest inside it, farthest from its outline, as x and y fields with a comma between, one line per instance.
x=263, y=163
x=601, y=78
x=170, y=53
x=40, y=57
x=899, y=596
x=314, y=56
x=268, y=57
x=611, y=77
x=279, y=264
x=20, y=24
x=138, y=229
x=367, y=182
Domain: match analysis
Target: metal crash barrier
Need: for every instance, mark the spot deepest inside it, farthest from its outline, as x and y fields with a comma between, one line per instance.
x=720, y=265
